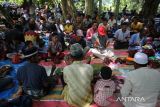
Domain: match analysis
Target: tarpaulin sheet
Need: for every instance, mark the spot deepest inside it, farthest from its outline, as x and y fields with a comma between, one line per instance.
x=8, y=93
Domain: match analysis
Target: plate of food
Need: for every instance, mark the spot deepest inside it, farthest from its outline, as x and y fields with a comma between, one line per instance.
x=4, y=70
x=5, y=66
x=11, y=55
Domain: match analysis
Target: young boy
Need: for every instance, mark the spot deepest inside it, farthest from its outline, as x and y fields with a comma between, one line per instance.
x=55, y=49
x=104, y=87
x=29, y=45
x=42, y=50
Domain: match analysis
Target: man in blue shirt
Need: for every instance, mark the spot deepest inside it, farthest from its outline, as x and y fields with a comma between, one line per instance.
x=32, y=77
x=136, y=42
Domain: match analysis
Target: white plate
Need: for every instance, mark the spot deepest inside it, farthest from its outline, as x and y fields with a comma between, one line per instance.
x=5, y=66
x=10, y=55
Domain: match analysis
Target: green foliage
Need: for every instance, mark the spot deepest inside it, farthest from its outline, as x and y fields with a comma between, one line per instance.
x=132, y=4
x=80, y=5
x=19, y=2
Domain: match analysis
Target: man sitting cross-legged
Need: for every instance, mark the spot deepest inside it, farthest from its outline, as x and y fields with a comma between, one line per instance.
x=33, y=79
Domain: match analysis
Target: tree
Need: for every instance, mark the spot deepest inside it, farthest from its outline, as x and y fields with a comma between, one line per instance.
x=68, y=8
x=89, y=5
x=64, y=7
x=30, y=2
x=80, y=5
x=150, y=8
x=100, y=6
x=71, y=7
x=117, y=8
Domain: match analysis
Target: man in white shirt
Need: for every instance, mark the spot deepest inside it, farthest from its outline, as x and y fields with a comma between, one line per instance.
x=121, y=37
x=111, y=21
x=141, y=84
x=59, y=26
x=124, y=19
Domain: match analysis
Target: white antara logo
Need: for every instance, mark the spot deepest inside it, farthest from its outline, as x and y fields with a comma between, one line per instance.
x=130, y=99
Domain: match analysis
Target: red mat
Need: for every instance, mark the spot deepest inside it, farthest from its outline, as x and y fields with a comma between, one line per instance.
x=62, y=104
x=121, y=52
x=63, y=64
x=50, y=104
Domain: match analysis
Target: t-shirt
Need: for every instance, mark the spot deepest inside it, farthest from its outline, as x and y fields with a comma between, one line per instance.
x=32, y=76
x=107, y=27
x=68, y=28
x=102, y=40
x=136, y=27
x=86, y=23
x=135, y=39
x=54, y=48
x=103, y=89
x=31, y=36
x=90, y=33
x=111, y=22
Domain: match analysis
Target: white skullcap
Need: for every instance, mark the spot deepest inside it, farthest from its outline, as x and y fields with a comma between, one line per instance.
x=140, y=58
x=67, y=21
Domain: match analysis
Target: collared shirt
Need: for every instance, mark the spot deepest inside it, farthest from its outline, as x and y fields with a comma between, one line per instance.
x=103, y=89
x=121, y=36
x=78, y=77
x=143, y=83
x=90, y=33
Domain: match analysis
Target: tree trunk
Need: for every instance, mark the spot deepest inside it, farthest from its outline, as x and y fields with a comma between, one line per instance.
x=25, y=5
x=71, y=7
x=89, y=7
x=100, y=6
x=30, y=2
x=117, y=8
x=24, y=1
x=68, y=8
x=150, y=8
x=64, y=8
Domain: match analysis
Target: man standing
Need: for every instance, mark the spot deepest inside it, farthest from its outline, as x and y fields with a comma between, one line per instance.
x=142, y=83
x=78, y=77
